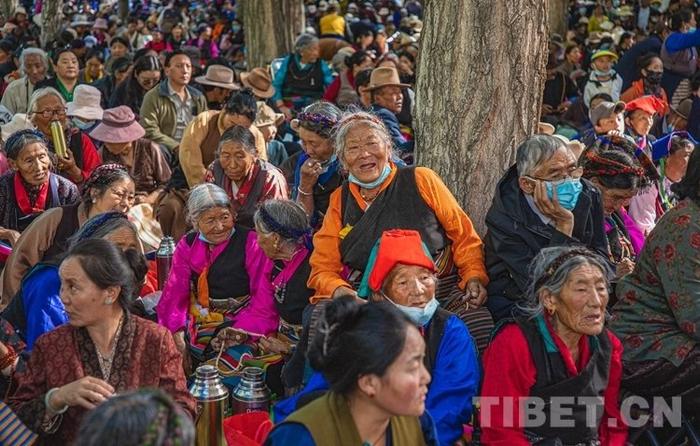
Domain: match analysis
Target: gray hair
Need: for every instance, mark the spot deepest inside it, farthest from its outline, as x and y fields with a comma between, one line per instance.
x=32, y=52
x=240, y=135
x=535, y=150
x=550, y=269
x=289, y=220
x=325, y=127
x=352, y=119
x=41, y=93
x=204, y=197
x=97, y=228
x=304, y=41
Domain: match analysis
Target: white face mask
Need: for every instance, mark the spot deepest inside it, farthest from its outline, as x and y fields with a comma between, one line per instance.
x=419, y=316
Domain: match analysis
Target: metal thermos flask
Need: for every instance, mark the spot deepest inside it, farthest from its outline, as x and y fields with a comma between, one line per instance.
x=59, y=139
x=164, y=259
x=212, y=402
x=251, y=394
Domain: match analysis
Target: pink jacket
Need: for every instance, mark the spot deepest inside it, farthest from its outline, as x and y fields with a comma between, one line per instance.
x=259, y=316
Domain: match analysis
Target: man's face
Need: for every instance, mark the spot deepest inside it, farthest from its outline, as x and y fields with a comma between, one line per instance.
x=615, y=121
x=390, y=98
x=179, y=71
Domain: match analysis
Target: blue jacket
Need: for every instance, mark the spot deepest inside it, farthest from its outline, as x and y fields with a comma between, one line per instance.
x=455, y=381
x=392, y=124
x=41, y=296
x=281, y=74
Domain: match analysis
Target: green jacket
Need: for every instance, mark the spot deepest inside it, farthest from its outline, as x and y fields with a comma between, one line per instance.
x=158, y=115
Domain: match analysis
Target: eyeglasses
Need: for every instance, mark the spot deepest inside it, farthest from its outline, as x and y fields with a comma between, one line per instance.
x=574, y=173
x=123, y=195
x=48, y=114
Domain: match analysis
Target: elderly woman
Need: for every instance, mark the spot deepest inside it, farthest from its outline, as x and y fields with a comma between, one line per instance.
x=378, y=389
x=659, y=306
x=104, y=350
x=47, y=105
x=302, y=78
x=134, y=418
x=401, y=272
x=109, y=188
x=246, y=179
x=217, y=277
x=29, y=188
x=34, y=65
x=312, y=175
x=619, y=177
x=561, y=349
x=124, y=143
x=377, y=197
x=37, y=307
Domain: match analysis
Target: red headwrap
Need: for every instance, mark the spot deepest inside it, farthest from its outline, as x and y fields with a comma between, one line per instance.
x=398, y=246
x=649, y=104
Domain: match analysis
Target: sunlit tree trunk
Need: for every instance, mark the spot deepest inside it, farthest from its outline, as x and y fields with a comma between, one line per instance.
x=270, y=28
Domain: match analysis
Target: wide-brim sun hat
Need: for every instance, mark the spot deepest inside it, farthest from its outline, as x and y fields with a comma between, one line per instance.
x=118, y=126
x=86, y=103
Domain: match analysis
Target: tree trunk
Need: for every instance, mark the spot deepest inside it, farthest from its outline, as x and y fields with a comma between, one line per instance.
x=123, y=10
x=7, y=7
x=557, y=16
x=51, y=19
x=479, y=86
x=270, y=27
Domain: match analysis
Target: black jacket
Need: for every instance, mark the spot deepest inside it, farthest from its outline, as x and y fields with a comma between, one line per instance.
x=515, y=234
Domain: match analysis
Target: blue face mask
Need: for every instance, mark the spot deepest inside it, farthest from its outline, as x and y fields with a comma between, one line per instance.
x=568, y=191
x=419, y=316
x=692, y=30
x=385, y=173
x=83, y=125
x=205, y=240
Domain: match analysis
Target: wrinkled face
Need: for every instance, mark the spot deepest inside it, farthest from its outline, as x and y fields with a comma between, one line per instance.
x=366, y=153
x=679, y=159
x=46, y=109
x=94, y=67
x=84, y=301
x=124, y=239
x=215, y=224
x=268, y=242
x=231, y=119
x=311, y=53
x=389, y=97
x=410, y=285
x=118, y=49
x=33, y=163
x=35, y=68
x=614, y=199
x=67, y=66
x=580, y=306
x=560, y=166
x=148, y=79
x=317, y=147
x=180, y=70
x=404, y=386
x=119, y=197
x=640, y=121
x=236, y=161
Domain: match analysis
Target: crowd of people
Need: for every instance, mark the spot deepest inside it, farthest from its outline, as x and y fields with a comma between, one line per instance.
x=308, y=242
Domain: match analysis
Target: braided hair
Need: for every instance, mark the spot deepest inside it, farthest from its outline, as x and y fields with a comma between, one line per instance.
x=100, y=180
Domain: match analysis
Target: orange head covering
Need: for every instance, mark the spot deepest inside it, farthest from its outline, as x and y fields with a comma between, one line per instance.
x=393, y=247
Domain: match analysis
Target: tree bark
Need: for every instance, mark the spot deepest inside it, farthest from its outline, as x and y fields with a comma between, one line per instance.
x=479, y=87
x=556, y=16
x=51, y=20
x=123, y=10
x=7, y=7
x=270, y=27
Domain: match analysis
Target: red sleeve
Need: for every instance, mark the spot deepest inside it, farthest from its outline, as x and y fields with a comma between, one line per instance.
x=509, y=374
x=91, y=159
x=151, y=284
x=615, y=435
x=331, y=93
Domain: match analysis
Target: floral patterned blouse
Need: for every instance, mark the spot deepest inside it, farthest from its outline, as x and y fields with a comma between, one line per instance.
x=658, y=312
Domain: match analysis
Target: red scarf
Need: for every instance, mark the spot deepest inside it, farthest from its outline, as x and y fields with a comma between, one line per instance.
x=242, y=194
x=22, y=197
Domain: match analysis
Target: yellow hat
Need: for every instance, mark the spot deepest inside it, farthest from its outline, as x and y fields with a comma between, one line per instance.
x=602, y=53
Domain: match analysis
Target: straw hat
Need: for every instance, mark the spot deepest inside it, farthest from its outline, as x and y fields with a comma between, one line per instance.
x=119, y=125
x=385, y=77
x=267, y=116
x=218, y=76
x=258, y=80
x=86, y=103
